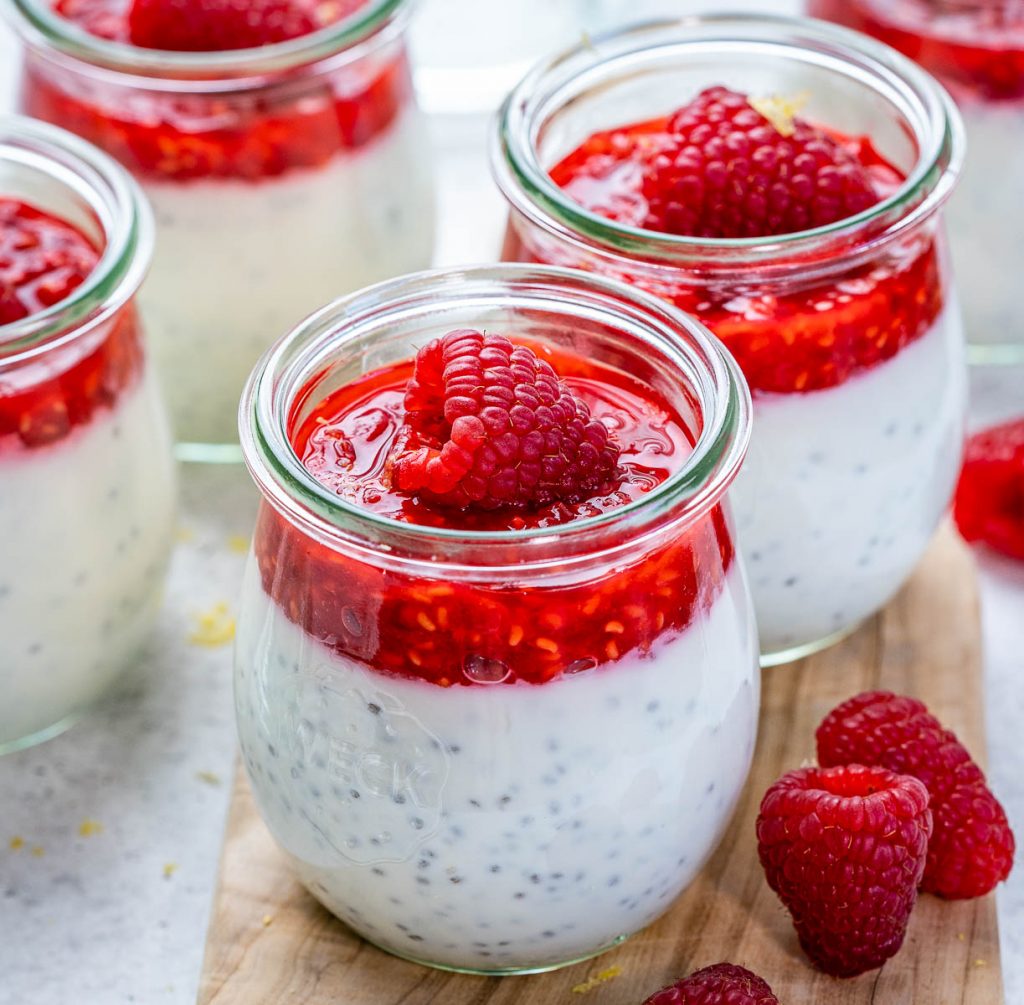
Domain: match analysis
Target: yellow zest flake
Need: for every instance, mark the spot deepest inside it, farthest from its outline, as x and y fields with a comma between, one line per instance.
x=603, y=977
x=615, y=628
x=268, y=920
x=215, y=627
x=425, y=623
x=170, y=868
x=547, y=645
x=17, y=843
x=515, y=636
x=89, y=827
x=981, y=963
x=185, y=534
x=780, y=111
x=37, y=851
x=209, y=777
x=238, y=544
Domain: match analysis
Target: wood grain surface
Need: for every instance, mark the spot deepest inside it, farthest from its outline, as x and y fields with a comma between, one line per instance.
x=269, y=942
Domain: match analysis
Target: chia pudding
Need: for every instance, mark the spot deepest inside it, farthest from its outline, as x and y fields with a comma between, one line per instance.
x=87, y=488
x=280, y=175
x=976, y=48
x=496, y=738
x=798, y=219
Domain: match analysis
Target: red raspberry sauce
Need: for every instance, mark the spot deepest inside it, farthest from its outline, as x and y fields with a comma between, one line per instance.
x=451, y=633
x=184, y=137
x=978, y=53
x=802, y=340
x=42, y=260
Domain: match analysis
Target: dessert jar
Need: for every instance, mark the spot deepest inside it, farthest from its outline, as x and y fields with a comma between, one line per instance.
x=976, y=48
x=849, y=335
x=280, y=177
x=497, y=751
x=87, y=487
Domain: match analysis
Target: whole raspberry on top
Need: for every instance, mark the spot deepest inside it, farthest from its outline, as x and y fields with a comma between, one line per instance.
x=844, y=848
x=219, y=25
x=721, y=984
x=489, y=424
x=739, y=167
x=989, y=505
x=972, y=846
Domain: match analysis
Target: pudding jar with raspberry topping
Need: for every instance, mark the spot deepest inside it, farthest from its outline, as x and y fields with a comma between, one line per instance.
x=976, y=48
x=496, y=667
x=87, y=488
x=281, y=147
x=782, y=180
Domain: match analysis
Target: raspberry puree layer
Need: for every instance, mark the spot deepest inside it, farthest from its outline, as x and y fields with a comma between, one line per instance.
x=463, y=633
x=42, y=260
x=978, y=49
x=180, y=136
x=786, y=341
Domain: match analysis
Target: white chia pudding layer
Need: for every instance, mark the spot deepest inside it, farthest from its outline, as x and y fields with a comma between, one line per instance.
x=87, y=529
x=843, y=488
x=239, y=263
x=502, y=827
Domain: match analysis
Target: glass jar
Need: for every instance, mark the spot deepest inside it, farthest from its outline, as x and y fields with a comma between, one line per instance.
x=477, y=821
x=87, y=488
x=849, y=335
x=281, y=177
x=976, y=48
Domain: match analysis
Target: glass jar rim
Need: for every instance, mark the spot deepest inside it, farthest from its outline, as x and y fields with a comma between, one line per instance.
x=529, y=189
x=344, y=41
x=722, y=396
x=120, y=208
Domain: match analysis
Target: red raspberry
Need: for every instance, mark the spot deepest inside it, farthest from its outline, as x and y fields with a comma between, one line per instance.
x=733, y=172
x=217, y=25
x=989, y=504
x=971, y=849
x=489, y=425
x=844, y=848
x=721, y=984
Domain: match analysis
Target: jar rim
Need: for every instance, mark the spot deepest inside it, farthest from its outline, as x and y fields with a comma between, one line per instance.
x=122, y=212
x=529, y=189
x=284, y=370
x=231, y=69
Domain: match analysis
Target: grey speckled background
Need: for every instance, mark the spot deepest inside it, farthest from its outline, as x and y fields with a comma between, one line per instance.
x=119, y=914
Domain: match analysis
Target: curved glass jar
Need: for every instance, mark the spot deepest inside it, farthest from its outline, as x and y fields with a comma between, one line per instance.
x=849, y=335
x=87, y=488
x=280, y=178
x=478, y=822
x=976, y=48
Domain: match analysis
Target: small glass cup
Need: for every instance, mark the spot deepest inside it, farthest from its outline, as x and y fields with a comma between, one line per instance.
x=859, y=411
x=87, y=486
x=976, y=48
x=280, y=177
x=479, y=822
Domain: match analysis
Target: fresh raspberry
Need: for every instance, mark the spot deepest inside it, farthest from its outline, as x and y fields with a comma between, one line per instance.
x=721, y=984
x=989, y=505
x=733, y=172
x=218, y=25
x=489, y=424
x=971, y=848
x=844, y=848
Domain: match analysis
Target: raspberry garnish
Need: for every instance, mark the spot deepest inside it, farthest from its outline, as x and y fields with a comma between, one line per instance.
x=989, y=504
x=745, y=168
x=489, y=425
x=219, y=25
x=844, y=848
x=971, y=848
x=721, y=984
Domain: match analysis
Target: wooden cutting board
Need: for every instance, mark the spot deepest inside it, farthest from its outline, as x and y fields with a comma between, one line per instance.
x=271, y=944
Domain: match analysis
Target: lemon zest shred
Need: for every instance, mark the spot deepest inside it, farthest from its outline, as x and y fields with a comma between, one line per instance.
x=602, y=977
x=215, y=627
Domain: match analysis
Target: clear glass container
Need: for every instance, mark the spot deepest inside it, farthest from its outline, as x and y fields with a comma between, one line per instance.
x=87, y=486
x=976, y=48
x=281, y=177
x=849, y=335
x=478, y=822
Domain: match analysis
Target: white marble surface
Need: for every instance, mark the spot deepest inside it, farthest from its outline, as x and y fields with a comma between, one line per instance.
x=118, y=914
